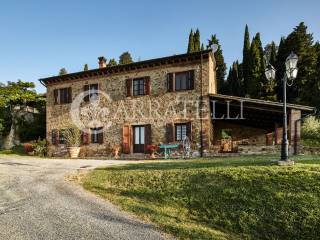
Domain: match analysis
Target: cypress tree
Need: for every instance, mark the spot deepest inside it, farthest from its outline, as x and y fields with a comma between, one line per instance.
x=300, y=42
x=233, y=82
x=197, y=43
x=191, y=42
x=280, y=67
x=85, y=67
x=253, y=80
x=246, y=59
x=63, y=71
x=125, y=58
x=273, y=54
x=112, y=62
x=202, y=47
x=220, y=64
x=261, y=79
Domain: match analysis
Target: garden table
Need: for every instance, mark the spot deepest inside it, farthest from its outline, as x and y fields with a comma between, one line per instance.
x=167, y=149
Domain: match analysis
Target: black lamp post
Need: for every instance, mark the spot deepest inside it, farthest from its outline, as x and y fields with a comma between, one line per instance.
x=289, y=76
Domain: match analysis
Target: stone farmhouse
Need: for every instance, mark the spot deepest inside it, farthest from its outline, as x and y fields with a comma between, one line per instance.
x=161, y=101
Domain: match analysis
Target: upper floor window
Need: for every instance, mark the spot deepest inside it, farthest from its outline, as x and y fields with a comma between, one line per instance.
x=91, y=92
x=138, y=86
x=180, y=81
x=62, y=95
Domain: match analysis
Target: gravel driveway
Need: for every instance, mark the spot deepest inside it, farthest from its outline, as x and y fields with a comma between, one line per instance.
x=37, y=203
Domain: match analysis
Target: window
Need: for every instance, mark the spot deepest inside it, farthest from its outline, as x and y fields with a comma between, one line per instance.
x=181, y=131
x=184, y=81
x=97, y=135
x=138, y=87
x=92, y=90
x=62, y=95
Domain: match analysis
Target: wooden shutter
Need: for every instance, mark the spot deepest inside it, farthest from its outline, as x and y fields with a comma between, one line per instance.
x=55, y=96
x=169, y=133
x=147, y=136
x=55, y=137
x=100, y=136
x=69, y=95
x=129, y=87
x=85, y=137
x=189, y=130
x=191, y=79
x=126, y=138
x=85, y=90
x=147, y=85
x=170, y=82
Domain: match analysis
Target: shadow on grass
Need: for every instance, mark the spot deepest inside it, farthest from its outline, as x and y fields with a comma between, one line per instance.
x=201, y=163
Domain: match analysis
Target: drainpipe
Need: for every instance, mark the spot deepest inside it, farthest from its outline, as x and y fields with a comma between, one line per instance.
x=201, y=100
x=296, y=146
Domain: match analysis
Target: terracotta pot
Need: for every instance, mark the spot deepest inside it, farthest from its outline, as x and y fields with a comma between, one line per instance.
x=74, y=152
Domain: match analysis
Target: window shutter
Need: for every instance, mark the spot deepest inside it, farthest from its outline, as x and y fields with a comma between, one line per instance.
x=126, y=138
x=100, y=136
x=85, y=90
x=85, y=137
x=129, y=87
x=169, y=133
x=147, y=85
x=55, y=96
x=170, y=82
x=189, y=128
x=191, y=79
x=55, y=137
x=69, y=95
x=147, y=136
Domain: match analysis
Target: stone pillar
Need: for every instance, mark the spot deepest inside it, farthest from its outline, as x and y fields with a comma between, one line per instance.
x=277, y=134
x=294, y=129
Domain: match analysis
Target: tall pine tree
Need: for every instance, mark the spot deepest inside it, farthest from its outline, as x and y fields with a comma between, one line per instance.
x=191, y=42
x=197, y=44
x=246, y=59
x=300, y=42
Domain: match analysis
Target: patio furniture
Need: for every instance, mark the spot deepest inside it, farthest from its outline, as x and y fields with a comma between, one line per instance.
x=168, y=148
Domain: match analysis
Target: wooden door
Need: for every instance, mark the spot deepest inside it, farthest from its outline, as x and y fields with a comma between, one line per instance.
x=138, y=139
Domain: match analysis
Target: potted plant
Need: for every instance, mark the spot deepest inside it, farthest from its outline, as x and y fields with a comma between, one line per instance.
x=153, y=150
x=72, y=136
x=116, y=150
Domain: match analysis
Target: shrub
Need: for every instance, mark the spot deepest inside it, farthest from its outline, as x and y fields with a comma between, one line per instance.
x=152, y=148
x=311, y=130
x=40, y=148
x=28, y=147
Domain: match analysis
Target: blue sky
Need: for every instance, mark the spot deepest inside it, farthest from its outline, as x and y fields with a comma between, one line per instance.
x=40, y=37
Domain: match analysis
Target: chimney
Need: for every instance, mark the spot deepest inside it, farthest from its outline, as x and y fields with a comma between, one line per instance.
x=102, y=62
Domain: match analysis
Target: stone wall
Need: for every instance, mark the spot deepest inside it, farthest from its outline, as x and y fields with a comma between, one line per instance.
x=158, y=108
x=253, y=136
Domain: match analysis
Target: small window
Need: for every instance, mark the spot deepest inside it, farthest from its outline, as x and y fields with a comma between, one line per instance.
x=184, y=81
x=62, y=96
x=181, y=131
x=138, y=87
x=96, y=135
x=93, y=92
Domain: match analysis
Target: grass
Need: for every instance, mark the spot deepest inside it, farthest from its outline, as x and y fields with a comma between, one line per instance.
x=219, y=198
x=17, y=150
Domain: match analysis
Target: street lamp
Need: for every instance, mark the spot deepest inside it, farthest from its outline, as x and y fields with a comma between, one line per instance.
x=290, y=74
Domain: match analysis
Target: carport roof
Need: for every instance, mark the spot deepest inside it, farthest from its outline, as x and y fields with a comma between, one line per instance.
x=262, y=103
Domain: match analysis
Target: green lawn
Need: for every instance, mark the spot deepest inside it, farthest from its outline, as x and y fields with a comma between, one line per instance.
x=219, y=198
